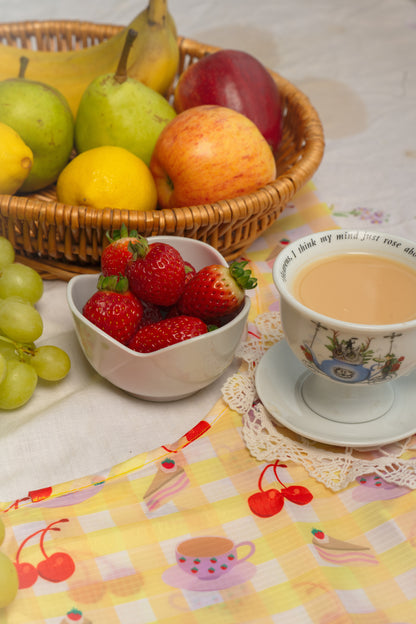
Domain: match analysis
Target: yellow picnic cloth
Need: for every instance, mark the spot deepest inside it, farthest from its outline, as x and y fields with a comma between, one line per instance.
x=101, y=549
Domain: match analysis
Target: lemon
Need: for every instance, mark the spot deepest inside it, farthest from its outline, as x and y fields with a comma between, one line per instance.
x=16, y=160
x=107, y=177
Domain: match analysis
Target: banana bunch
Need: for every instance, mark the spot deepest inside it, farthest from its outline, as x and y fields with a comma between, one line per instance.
x=153, y=58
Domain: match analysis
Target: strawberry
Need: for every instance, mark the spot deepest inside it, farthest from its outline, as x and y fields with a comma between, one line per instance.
x=165, y=333
x=190, y=271
x=156, y=273
x=151, y=314
x=216, y=293
x=114, y=309
x=116, y=255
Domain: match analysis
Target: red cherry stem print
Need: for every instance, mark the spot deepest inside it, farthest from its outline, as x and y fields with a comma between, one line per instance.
x=295, y=493
x=274, y=470
x=49, y=528
x=275, y=465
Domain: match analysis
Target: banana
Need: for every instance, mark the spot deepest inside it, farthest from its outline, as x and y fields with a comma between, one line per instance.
x=153, y=59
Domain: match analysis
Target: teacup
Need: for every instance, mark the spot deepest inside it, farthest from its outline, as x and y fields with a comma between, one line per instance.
x=209, y=557
x=348, y=359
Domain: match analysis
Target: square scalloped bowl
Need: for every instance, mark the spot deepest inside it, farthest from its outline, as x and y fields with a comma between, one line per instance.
x=169, y=374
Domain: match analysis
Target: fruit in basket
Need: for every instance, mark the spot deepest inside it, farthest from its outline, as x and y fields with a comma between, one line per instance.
x=114, y=309
x=216, y=293
x=16, y=159
x=107, y=177
x=42, y=118
x=156, y=273
x=238, y=80
x=209, y=153
x=166, y=332
x=154, y=58
x=118, y=110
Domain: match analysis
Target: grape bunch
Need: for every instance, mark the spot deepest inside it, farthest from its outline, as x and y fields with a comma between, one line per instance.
x=22, y=363
x=9, y=582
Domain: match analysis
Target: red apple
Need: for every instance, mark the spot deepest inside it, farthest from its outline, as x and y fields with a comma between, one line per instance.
x=238, y=80
x=209, y=153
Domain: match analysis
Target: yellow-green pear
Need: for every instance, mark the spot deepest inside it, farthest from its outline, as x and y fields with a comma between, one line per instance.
x=121, y=111
x=41, y=116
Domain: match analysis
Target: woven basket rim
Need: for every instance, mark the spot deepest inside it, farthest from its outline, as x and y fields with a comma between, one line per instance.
x=314, y=130
x=213, y=219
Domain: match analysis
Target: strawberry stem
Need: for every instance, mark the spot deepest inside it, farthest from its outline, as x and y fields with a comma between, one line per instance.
x=121, y=233
x=139, y=248
x=114, y=283
x=242, y=276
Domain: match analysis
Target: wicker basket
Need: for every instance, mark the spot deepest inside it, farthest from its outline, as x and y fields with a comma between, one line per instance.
x=60, y=240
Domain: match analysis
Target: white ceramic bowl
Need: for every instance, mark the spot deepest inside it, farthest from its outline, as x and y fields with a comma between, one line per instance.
x=171, y=373
x=350, y=354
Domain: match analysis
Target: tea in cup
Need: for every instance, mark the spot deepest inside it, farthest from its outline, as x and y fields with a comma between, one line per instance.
x=209, y=557
x=348, y=311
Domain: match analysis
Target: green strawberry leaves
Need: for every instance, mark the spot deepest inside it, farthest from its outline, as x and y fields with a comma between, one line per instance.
x=114, y=283
x=243, y=276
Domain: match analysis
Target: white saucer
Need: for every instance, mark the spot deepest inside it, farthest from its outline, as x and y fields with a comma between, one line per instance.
x=279, y=376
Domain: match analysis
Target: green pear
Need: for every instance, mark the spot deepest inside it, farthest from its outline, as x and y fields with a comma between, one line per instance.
x=41, y=116
x=121, y=111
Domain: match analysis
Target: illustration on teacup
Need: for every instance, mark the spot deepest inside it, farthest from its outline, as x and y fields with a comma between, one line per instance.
x=351, y=360
x=209, y=557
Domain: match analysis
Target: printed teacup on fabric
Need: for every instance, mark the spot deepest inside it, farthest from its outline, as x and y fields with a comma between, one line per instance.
x=210, y=557
x=348, y=310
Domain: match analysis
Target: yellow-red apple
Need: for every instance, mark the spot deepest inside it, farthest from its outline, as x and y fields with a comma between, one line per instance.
x=209, y=153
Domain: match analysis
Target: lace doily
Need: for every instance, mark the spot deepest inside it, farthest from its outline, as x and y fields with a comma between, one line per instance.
x=335, y=467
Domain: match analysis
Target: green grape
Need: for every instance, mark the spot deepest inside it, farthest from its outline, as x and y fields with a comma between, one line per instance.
x=19, y=320
x=7, y=254
x=19, y=280
x=9, y=583
x=18, y=385
x=2, y=531
x=50, y=363
x=8, y=350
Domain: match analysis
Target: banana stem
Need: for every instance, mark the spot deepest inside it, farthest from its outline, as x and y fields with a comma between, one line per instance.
x=24, y=62
x=157, y=11
x=121, y=72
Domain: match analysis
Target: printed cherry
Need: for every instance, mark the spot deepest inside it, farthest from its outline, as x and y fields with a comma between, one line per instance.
x=57, y=567
x=297, y=494
x=267, y=503
x=294, y=493
x=26, y=572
